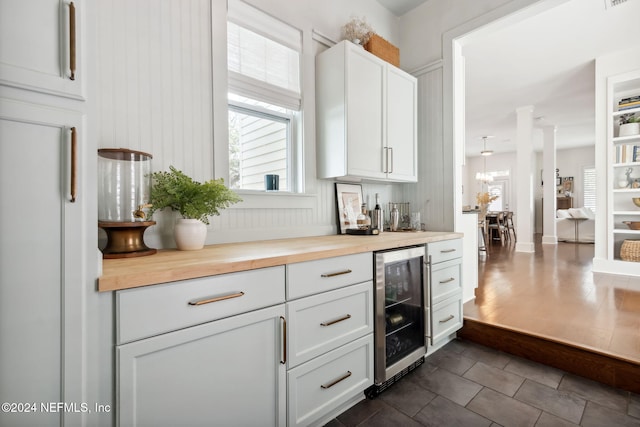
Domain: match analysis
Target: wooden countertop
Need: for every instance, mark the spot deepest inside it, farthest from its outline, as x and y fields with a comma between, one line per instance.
x=169, y=265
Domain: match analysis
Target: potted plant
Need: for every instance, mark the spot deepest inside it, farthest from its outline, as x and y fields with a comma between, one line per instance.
x=629, y=125
x=195, y=201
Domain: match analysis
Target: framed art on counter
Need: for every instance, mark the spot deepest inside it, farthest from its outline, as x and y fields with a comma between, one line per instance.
x=348, y=203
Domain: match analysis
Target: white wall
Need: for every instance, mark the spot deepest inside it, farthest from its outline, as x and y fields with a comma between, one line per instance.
x=421, y=38
x=160, y=89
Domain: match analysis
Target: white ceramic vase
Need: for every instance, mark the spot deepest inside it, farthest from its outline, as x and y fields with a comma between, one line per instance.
x=629, y=129
x=189, y=234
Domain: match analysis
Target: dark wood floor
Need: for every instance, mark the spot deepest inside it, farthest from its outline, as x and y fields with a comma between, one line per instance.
x=550, y=307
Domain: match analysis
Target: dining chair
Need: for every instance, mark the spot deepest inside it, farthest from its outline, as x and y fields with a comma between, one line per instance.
x=510, y=227
x=499, y=226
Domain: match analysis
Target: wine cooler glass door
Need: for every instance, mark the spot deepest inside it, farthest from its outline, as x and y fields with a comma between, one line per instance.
x=399, y=301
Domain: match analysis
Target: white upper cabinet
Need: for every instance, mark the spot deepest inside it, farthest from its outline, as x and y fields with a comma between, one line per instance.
x=40, y=44
x=366, y=117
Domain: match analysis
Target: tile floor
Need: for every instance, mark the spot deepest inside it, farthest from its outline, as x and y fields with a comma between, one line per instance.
x=465, y=384
x=551, y=293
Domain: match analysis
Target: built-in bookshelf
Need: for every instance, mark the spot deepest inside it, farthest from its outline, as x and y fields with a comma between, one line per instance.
x=624, y=160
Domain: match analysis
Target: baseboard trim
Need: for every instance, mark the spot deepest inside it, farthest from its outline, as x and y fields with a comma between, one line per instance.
x=597, y=366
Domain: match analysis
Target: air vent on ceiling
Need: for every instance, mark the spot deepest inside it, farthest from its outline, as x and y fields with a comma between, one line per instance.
x=612, y=3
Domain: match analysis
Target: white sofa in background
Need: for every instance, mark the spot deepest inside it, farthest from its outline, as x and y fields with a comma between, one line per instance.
x=566, y=220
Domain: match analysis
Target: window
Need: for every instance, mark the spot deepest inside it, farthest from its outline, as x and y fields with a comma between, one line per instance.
x=259, y=141
x=589, y=187
x=264, y=99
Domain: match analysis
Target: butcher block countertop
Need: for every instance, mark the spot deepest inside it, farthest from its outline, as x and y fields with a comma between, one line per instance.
x=169, y=265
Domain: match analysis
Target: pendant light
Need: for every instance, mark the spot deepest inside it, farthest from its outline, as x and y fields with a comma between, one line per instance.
x=486, y=152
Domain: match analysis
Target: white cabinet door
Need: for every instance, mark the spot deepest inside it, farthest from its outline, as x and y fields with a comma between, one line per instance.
x=365, y=115
x=401, y=135
x=40, y=263
x=227, y=373
x=35, y=46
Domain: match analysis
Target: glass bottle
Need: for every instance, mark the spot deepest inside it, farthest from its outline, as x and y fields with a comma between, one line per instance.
x=363, y=220
x=377, y=220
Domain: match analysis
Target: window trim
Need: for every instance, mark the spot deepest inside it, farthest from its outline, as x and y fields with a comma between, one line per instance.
x=307, y=196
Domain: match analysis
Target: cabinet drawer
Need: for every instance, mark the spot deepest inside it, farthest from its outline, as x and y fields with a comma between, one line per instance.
x=446, y=280
x=326, y=321
x=444, y=250
x=321, y=385
x=446, y=318
x=312, y=277
x=153, y=310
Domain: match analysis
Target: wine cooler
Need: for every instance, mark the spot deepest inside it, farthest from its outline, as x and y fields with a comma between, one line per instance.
x=399, y=330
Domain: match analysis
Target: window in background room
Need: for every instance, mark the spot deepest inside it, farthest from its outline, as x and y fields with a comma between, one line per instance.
x=589, y=187
x=264, y=100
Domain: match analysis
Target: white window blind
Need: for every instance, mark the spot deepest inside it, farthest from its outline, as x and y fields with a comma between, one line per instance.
x=589, y=187
x=263, y=56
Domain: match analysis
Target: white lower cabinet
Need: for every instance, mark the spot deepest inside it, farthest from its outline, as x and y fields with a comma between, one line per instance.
x=212, y=361
x=444, y=291
x=330, y=337
x=225, y=373
x=325, y=384
x=228, y=350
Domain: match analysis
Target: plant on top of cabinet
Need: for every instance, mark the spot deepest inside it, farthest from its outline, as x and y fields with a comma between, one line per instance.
x=357, y=30
x=194, y=200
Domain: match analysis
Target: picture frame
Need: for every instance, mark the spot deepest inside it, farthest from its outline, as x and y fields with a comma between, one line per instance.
x=567, y=184
x=348, y=205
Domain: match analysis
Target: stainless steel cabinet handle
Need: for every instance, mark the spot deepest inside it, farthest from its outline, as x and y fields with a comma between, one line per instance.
x=450, y=279
x=336, y=381
x=333, y=322
x=451, y=316
x=209, y=300
x=284, y=340
x=338, y=273
x=391, y=151
x=446, y=251
x=385, y=154
x=74, y=147
x=72, y=40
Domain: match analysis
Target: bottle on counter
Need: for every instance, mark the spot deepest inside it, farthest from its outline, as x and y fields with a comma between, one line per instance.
x=363, y=220
x=377, y=220
x=395, y=218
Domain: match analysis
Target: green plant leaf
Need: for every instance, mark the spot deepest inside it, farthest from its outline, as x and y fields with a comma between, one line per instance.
x=192, y=199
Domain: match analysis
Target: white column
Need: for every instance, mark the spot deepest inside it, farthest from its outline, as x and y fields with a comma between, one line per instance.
x=525, y=176
x=549, y=234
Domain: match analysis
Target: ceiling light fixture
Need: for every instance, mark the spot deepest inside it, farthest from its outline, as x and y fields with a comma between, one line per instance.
x=486, y=152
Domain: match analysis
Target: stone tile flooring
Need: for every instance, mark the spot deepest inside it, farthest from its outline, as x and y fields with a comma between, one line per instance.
x=465, y=384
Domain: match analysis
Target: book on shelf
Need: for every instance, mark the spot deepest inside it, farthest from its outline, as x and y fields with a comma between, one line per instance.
x=627, y=153
x=628, y=106
x=629, y=99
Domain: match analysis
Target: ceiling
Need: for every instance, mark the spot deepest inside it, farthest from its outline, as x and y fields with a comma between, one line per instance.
x=545, y=61
x=400, y=7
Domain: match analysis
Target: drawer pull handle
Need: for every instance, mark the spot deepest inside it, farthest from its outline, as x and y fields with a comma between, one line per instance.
x=450, y=279
x=284, y=340
x=74, y=163
x=446, y=251
x=215, y=299
x=333, y=322
x=451, y=316
x=338, y=273
x=334, y=382
x=72, y=41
